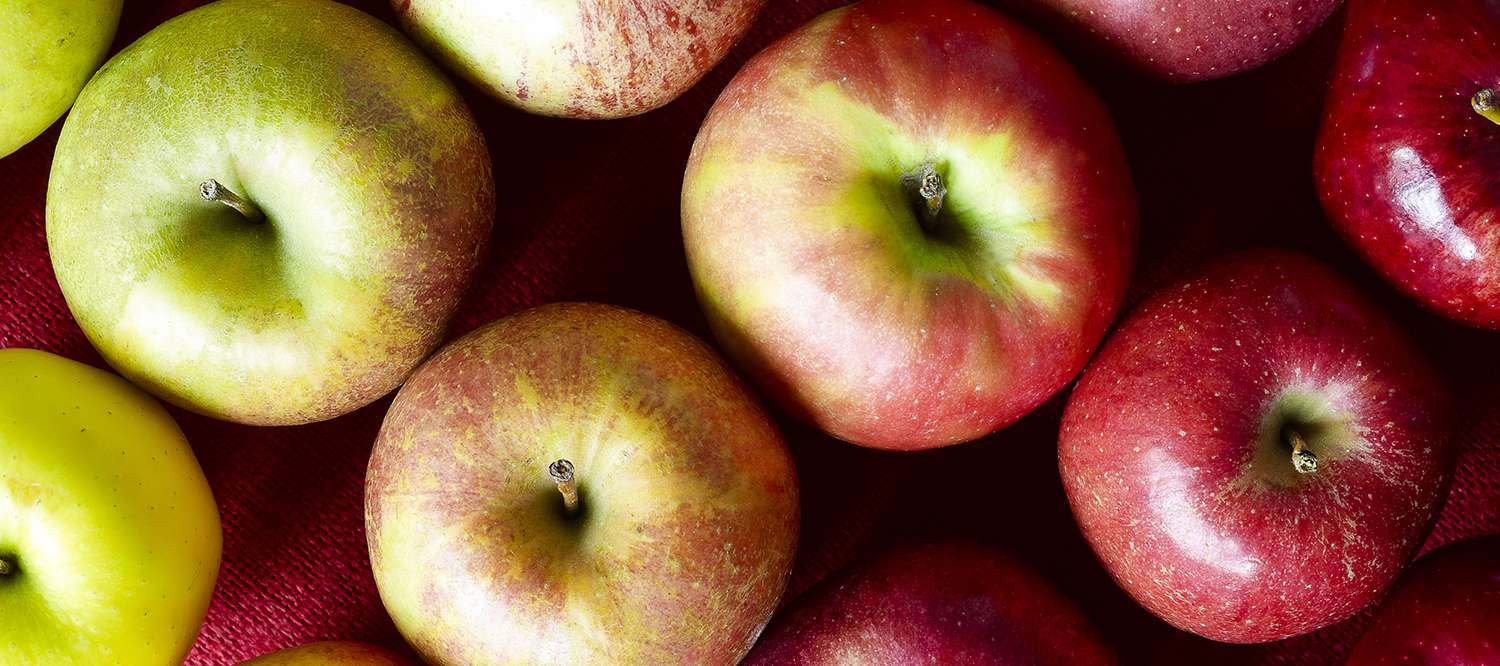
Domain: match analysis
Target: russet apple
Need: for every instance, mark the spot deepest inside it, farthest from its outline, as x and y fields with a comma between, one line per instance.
x=1409, y=152
x=943, y=602
x=580, y=58
x=579, y=484
x=1257, y=451
x=48, y=50
x=266, y=211
x=1183, y=40
x=109, y=535
x=331, y=653
x=910, y=222
x=1444, y=610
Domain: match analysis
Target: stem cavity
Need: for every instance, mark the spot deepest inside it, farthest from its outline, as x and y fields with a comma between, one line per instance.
x=1486, y=104
x=7, y=566
x=925, y=187
x=561, y=472
x=213, y=190
x=1303, y=460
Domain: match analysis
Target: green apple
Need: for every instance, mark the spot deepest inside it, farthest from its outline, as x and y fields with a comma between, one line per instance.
x=579, y=484
x=267, y=211
x=109, y=536
x=48, y=50
x=330, y=653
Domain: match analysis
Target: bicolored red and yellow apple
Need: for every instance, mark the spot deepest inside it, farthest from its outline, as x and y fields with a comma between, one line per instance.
x=910, y=222
x=331, y=653
x=580, y=58
x=579, y=484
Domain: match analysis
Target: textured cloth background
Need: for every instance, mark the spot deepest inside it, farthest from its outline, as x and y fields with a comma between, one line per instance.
x=588, y=211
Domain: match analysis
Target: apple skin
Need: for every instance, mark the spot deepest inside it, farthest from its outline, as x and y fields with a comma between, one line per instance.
x=374, y=179
x=1444, y=610
x=1173, y=450
x=331, y=653
x=580, y=58
x=845, y=305
x=688, y=517
x=942, y=602
x=106, y=520
x=1184, y=41
x=48, y=50
x=1405, y=167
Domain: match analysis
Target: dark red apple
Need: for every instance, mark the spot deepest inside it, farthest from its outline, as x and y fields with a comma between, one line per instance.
x=1408, y=159
x=1445, y=610
x=1257, y=451
x=944, y=602
x=912, y=222
x=1185, y=40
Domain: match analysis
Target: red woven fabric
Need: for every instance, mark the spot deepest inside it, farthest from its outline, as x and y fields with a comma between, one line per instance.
x=1219, y=166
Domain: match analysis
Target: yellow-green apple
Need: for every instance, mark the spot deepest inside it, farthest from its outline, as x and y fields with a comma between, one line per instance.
x=910, y=222
x=1444, y=610
x=48, y=50
x=266, y=211
x=109, y=536
x=579, y=484
x=580, y=58
x=1409, y=152
x=331, y=653
x=943, y=602
x=1184, y=41
x=1257, y=451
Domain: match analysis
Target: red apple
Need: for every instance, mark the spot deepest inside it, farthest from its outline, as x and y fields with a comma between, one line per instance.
x=938, y=603
x=1257, y=451
x=910, y=221
x=1185, y=40
x=1445, y=610
x=330, y=653
x=579, y=484
x=1409, y=154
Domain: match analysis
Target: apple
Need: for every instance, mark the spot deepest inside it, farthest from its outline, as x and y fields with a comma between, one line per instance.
x=580, y=58
x=266, y=211
x=1257, y=451
x=109, y=535
x=579, y=484
x=910, y=222
x=1405, y=162
x=48, y=50
x=330, y=653
x=1183, y=41
x=1444, y=610
x=944, y=602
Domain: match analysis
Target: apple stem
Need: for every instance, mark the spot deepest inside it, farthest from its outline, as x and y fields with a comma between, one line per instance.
x=926, y=184
x=213, y=190
x=7, y=567
x=1303, y=460
x=567, y=484
x=1485, y=104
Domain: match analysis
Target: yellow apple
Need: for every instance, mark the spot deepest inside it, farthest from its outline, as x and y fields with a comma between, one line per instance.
x=109, y=536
